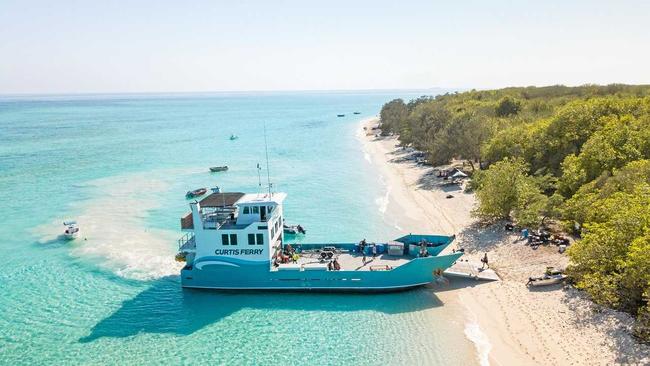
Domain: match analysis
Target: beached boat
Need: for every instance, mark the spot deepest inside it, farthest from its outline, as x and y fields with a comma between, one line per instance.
x=196, y=193
x=551, y=277
x=219, y=168
x=235, y=241
x=72, y=230
x=293, y=229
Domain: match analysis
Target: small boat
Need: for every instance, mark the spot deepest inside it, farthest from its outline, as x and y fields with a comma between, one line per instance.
x=551, y=277
x=293, y=229
x=233, y=137
x=196, y=193
x=72, y=230
x=357, y=112
x=219, y=168
x=340, y=115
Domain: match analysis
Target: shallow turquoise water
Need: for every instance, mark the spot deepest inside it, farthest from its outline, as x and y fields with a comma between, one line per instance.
x=121, y=164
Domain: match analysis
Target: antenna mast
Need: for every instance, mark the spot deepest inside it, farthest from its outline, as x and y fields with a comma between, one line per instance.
x=266, y=150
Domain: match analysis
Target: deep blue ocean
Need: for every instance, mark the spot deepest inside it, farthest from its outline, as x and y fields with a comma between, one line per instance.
x=121, y=164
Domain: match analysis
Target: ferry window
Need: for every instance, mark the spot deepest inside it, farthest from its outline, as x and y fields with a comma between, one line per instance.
x=272, y=232
x=260, y=239
x=251, y=239
x=233, y=239
x=246, y=210
x=224, y=239
x=256, y=209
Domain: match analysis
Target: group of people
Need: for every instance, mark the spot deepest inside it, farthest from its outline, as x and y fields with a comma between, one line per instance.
x=333, y=265
x=362, y=248
x=288, y=254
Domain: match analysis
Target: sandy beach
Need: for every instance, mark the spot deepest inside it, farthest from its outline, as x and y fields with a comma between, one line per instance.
x=509, y=323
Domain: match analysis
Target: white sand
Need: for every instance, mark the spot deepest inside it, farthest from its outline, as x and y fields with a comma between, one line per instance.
x=510, y=324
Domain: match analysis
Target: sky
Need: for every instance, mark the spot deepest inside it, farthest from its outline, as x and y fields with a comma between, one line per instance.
x=116, y=46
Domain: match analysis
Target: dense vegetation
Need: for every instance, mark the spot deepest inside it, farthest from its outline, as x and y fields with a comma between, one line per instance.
x=577, y=155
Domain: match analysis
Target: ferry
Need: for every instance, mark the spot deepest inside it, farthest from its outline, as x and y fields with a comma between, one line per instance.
x=235, y=241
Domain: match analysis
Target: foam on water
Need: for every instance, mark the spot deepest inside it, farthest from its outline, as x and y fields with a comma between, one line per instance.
x=114, y=231
x=483, y=346
x=366, y=156
x=383, y=201
x=361, y=137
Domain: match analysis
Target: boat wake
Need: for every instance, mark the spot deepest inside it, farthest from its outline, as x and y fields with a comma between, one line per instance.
x=114, y=229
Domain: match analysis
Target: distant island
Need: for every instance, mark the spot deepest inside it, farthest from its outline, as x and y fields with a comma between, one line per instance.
x=573, y=159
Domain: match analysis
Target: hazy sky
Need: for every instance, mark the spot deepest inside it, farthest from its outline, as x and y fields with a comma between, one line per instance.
x=68, y=46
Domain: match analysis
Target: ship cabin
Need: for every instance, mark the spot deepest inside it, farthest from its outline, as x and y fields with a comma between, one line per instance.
x=234, y=224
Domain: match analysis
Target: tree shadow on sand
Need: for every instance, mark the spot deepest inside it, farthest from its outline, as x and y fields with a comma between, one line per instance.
x=616, y=325
x=479, y=237
x=165, y=307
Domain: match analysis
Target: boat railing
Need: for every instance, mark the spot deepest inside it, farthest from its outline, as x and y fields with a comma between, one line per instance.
x=186, y=242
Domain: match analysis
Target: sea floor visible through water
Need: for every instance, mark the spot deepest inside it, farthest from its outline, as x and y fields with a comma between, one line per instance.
x=121, y=164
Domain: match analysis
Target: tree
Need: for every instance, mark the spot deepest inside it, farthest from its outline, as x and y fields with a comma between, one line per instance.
x=505, y=190
x=392, y=115
x=508, y=106
x=611, y=262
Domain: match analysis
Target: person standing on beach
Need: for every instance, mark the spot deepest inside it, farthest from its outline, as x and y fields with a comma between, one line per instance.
x=485, y=261
x=374, y=251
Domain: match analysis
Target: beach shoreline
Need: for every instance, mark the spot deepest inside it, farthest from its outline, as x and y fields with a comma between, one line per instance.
x=508, y=323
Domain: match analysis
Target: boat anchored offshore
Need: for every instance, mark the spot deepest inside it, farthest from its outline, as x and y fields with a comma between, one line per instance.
x=196, y=193
x=294, y=229
x=219, y=168
x=235, y=241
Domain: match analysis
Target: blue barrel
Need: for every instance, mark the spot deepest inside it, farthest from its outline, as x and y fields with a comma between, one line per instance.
x=380, y=249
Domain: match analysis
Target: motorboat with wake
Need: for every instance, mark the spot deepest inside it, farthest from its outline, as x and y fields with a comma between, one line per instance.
x=72, y=230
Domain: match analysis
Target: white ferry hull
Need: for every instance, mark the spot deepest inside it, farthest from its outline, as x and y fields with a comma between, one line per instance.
x=257, y=277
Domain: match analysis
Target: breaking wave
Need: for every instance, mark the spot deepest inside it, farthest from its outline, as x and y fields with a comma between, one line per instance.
x=483, y=346
x=384, y=200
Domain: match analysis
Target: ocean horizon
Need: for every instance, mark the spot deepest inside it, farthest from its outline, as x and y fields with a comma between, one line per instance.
x=120, y=165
